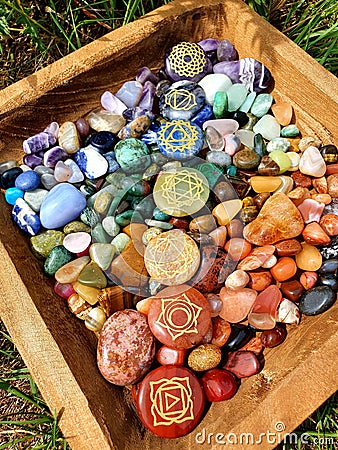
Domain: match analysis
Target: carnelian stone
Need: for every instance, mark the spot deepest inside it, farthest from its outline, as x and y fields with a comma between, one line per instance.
x=219, y=385
x=284, y=269
x=263, y=313
x=260, y=280
x=292, y=290
x=314, y=234
x=236, y=303
x=254, y=345
x=221, y=330
x=274, y=337
x=167, y=356
x=238, y=248
x=308, y=279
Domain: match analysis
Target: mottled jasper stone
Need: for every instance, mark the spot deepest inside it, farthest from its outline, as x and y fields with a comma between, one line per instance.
x=178, y=318
x=278, y=219
x=204, y=357
x=332, y=185
x=126, y=347
x=301, y=180
x=288, y=247
x=236, y=303
x=243, y=364
x=246, y=159
x=254, y=345
x=329, y=223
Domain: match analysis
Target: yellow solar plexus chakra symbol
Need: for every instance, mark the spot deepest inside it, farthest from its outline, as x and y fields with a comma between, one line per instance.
x=187, y=59
x=179, y=316
x=171, y=401
x=181, y=192
x=178, y=135
x=180, y=100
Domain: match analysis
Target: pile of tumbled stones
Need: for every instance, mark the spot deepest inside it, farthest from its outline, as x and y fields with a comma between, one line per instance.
x=186, y=222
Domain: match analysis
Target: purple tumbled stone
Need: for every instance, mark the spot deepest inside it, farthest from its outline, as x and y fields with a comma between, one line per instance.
x=147, y=97
x=36, y=143
x=53, y=155
x=32, y=160
x=52, y=130
x=248, y=71
x=133, y=113
x=226, y=51
x=111, y=103
x=145, y=74
x=209, y=44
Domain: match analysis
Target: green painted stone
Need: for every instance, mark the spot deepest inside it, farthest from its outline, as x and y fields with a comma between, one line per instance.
x=160, y=215
x=123, y=219
x=110, y=226
x=290, y=131
x=220, y=105
x=261, y=105
x=76, y=227
x=58, y=257
x=43, y=243
x=236, y=94
x=211, y=171
x=99, y=235
x=102, y=254
x=132, y=155
x=246, y=105
x=120, y=242
x=34, y=198
x=283, y=161
x=93, y=276
x=280, y=143
x=90, y=217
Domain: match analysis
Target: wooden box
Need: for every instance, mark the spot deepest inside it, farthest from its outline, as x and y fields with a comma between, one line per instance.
x=60, y=353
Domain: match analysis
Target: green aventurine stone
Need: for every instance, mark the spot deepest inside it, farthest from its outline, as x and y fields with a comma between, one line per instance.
x=43, y=243
x=246, y=105
x=126, y=217
x=211, y=171
x=120, y=242
x=290, y=131
x=261, y=105
x=58, y=257
x=76, y=227
x=102, y=254
x=236, y=96
x=99, y=235
x=90, y=217
x=93, y=276
x=281, y=159
x=220, y=105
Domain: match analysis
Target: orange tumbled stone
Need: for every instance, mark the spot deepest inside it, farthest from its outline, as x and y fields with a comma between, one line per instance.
x=279, y=219
x=254, y=345
x=256, y=258
x=260, y=280
x=314, y=234
x=236, y=303
x=284, y=269
x=329, y=223
x=282, y=112
x=219, y=236
x=238, y=248
x=309, y=258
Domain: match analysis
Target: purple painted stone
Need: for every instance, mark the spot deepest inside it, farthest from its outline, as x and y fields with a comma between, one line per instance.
x=52, y=130
x=147, y=97
x=145, y=74
x=32, y=161
x=226, y=51
x=53, y=155
x=248, y=71
x=36, y=143
x=62, y=204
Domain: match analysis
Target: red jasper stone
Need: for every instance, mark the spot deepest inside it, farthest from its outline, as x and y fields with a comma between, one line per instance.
x=219, y=385
x=179, y=318
x=170, y=401
x=288, y=247
x=254, y=345
x=170, y=356
x=243, y=364
x=292, y=290
x=221, y=330
x=274, y=337
x=284, y=269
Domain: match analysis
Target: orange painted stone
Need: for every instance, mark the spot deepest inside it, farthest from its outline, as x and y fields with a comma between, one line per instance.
x=314, y=234
x=278, y=219
x=236, y=303
x=309, y=258
x=282, y=112
x=284, y=269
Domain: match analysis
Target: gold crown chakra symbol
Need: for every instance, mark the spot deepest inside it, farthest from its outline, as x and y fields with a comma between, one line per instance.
x=187, y=59
x=180, y=99
x=171, y=401
x=178, y=135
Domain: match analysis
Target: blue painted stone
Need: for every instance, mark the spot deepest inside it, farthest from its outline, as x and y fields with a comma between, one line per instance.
x=36, y=143
x=27, y=181
x=25, y=217
x=132, y=155
x=12, y=194
x=62, y=204
x=182, y=100
x=113, y=165
x=91, y=162
x=206, y=113
x=180, y=139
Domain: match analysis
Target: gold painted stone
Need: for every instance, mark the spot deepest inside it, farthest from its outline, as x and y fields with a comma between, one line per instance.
x=181, y=192
x=226, y=211
x=172, y=257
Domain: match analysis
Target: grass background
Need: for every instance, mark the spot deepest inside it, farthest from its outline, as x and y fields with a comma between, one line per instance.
x=34, y=33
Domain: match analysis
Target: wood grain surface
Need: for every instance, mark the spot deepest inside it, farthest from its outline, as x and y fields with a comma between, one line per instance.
x=60, y=353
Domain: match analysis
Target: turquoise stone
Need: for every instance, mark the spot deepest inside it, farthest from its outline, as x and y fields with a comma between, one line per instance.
x=246, y=105
x=261, y=105
x=12, y=194
x=236, y=96
x=58, y=257
x=132, y=155
x=231, y=170
x=290, y=131
x=62, y=204
x=220, y=105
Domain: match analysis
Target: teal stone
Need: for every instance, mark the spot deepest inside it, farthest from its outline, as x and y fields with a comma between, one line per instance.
x=261, y=105
x=12, y=194
x=132, y=155
x=246, y=105
x=236, y=94
x=99, y=235
x=211, y=171
x=290, y=131
x=160, y=215
x=123, y=219
x=90, y=217
x=231, y=170
x=58, y=257
x=115, y=203
x=220, y=106
x=120, y=242
x=158, y=224
x=278, y=143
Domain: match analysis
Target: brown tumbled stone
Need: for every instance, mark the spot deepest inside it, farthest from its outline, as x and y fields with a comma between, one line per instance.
x=288, y=247
x=332, y=185
x=301, y=180
x=314, y=234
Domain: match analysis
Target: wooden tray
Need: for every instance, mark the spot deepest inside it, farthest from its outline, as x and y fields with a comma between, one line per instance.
x=60, y=353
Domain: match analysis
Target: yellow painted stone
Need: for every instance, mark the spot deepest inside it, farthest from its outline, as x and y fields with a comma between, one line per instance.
x=309, y=258
x=265, y=184
x=88, y=293
x=226, y=211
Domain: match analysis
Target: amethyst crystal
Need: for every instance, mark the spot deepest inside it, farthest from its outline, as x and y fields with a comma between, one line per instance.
x=53, y=155
x=32, y=160
x=52, y=130
x=226, y=51
x=147, y=97
x=36, y=143
x=145, y=74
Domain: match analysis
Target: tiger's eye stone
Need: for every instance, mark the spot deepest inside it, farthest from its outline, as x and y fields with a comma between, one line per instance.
x=273, y=337
x=309, y=258
x=329, y=223
x=243, y=364
x=292, y=290
x=95, y=319
x=204, y=357
x=179, y=319
x=236, y=303
x=170, y=356
x=260, y=280
x=329, y=153
x=78, y=306
x=221, y=330
x=170, y=401
x=219, y=385
x=263, y=313
x=314, y=234
x=288, y=247
x=284, y=269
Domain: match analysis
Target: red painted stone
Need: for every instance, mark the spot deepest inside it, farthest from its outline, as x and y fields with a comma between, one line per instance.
x=263, y=313
x=243, y=364
x=179, y=318
x=274, y=337
x=170, y=401
x=219, y=385
x=284, y=269
x=170, y=356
